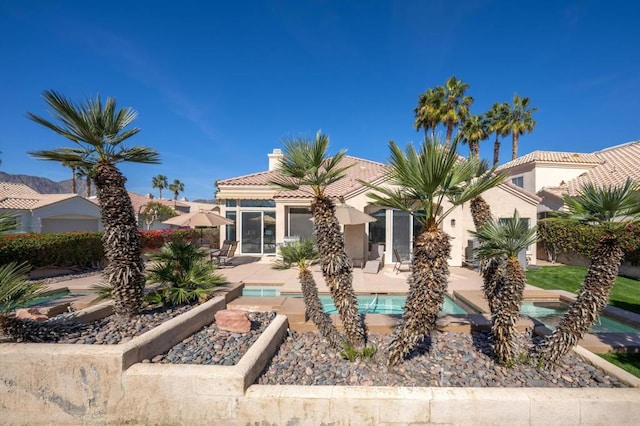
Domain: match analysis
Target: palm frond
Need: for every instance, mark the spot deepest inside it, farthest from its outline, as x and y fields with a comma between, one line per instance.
x=504, y=237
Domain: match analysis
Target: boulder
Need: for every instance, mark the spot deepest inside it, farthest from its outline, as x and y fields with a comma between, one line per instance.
x=32, y=314
x=233, y=320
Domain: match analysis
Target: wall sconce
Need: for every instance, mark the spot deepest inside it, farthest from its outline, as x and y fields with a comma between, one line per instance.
x=453, y=223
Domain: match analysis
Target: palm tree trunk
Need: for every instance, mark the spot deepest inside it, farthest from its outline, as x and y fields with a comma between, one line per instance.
x=591, y=300
x=88, y=187
x=73, y=179
x=480, y=211
x=447, y=141
x=121, y=240
x=427, y=289
x=496, y=151
x=316, y=312
x=337, y=269
x=507, y=312
x=514, y=145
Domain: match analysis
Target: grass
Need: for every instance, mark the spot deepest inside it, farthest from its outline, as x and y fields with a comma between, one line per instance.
x=628, y=362
x=624, y=295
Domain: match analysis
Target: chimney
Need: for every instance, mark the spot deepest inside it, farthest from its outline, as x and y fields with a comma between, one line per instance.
x=274, y=158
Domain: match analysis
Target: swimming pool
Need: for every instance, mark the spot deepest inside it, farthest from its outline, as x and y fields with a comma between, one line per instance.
x=550, y=313
x=261, y=291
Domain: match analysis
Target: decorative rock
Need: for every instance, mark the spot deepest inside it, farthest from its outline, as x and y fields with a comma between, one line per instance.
x=32, y=314
x=233, y=320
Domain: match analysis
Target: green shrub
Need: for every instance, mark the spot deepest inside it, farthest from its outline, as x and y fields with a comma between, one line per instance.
x=60, y=249
x=565, y=236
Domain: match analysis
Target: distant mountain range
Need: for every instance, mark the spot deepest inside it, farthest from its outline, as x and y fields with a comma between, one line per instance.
x=46, y=186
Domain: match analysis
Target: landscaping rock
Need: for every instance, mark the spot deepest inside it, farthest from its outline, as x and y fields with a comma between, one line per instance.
x=32, y=314
x=233, y=320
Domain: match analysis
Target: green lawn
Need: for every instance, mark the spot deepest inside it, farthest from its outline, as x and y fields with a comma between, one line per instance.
x=625, y=294
x=628, y=362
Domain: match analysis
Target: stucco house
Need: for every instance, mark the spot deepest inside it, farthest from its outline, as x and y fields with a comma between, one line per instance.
x=266, y=216
x=552, y=175
x=48, y=213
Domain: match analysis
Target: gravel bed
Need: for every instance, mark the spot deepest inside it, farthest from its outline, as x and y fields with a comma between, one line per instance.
x=212, y=346
x=78, y=273
x=111, y=330
x=455, y=359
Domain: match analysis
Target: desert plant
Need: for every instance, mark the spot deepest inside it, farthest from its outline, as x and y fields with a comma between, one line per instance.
x=184, y=273
x=303, y=254
x=15, y=291
x=98, y=132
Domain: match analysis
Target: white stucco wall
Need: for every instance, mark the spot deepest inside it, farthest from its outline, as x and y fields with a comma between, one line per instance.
x=554, y=174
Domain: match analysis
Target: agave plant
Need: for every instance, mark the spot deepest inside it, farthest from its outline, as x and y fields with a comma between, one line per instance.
x=185, y=274
x=15, y=291
x=303, y=254
x=502, y=240
x=611, y=209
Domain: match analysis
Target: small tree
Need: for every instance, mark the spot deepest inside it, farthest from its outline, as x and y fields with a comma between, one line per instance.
x=155, y=211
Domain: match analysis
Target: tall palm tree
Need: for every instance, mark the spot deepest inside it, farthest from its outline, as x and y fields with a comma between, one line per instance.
x=428, y=113
x=612, y=209
x=98, y=132
x=161, y=182
x=475, y=129
x=429, y=184
x=306, y=166
x=497, y=117
x=73, y=166
x=519, y=120
x=88, y=174
x=303, y=254
x=455, y=105
x=503, y=240
x=176, y=187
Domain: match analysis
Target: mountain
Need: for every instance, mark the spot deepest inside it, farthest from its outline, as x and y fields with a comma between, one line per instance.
x=40, y=184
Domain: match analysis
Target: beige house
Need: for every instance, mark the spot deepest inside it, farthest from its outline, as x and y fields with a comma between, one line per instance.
x=552, y=174
x=266, y=216
x=48, y=213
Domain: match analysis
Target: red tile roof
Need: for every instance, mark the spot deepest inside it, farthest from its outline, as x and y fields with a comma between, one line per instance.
x=553, y=157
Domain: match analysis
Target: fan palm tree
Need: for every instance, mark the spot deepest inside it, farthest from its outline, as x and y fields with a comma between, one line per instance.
x=474, y=129
x=611, y=209
x=73, y=166
x=98, y=132
x=519, y=120
x=503, y=240
x=161, y=182
x=176, y=187
x=455, y=105
x=428, y=113
x=303, y=254
x=497, y=117
x=306, y=166
x=432, y=182
x=88, y=174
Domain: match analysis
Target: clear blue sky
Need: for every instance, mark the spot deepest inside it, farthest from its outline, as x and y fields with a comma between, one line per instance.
x=217, y=85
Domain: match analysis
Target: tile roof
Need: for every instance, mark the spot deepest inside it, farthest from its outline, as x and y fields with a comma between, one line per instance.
x=361, y=169
x=553, y=157
x=616, y=165
x=8, y=189
x=17, y=196
x=138, y=201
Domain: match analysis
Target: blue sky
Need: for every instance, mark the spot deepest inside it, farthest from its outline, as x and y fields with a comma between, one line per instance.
x=217, y=85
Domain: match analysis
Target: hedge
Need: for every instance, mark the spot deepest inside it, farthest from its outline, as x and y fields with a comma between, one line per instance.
x=566, y=236
x=73, y=248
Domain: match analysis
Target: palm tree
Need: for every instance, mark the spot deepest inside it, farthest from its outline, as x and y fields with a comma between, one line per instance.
x=98, y=132
x=306, y=166
x=303, y=254
x=455, y=105
x=428, y=113
x=497, y=117
x=612, y=209
x=500, y=239
x=421, y=183
x=519, y=120
x=475, y=129
x=87, y=173
x=176, y=187
x=161, y=182
x=73, y=166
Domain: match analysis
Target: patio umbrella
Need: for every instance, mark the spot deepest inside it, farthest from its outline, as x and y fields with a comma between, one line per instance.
x=199, y=219
x=348, y=215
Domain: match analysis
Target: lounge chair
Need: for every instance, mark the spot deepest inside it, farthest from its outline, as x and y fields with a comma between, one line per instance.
x=375, y=259
x=224, y=259
x=399, y=262
x=216, y=254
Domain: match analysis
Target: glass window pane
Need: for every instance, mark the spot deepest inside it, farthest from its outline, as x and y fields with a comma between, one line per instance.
x=269, y=232
x=378, y=229
x=230, y=230
x=402, y=233
x=251, y=232
x=300, y=223
x=230, y=203
x=257, y=203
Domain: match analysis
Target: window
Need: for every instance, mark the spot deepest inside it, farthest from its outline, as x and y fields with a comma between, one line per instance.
x=231, y=203
x=300, y=223
x=257, y=203
x=231, y=229
x=518, y=181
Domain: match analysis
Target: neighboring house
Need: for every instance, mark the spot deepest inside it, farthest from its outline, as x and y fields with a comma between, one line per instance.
x=265, y=215
x=140, y=201
x=552, y=175
x=48, y=213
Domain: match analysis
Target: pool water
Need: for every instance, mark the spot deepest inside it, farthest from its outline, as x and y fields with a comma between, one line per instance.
x=261, y=291
x=550, y=313
x=386, y=304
